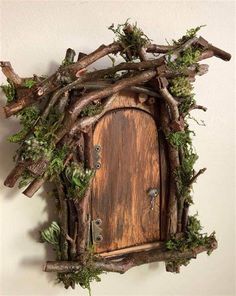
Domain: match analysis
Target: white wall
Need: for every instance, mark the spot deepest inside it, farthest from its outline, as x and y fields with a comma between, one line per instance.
x=34, y=37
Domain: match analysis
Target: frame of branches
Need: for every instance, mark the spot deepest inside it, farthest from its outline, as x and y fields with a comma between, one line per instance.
x=58, y=114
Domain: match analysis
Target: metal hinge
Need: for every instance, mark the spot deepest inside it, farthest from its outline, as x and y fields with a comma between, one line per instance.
x=97, y=157
x=96, y=231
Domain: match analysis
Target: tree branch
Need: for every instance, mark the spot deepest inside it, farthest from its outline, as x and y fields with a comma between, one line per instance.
x=171, y=102
x=76, y=108
x=10, y=74
x=194, y=178
x=135, y=259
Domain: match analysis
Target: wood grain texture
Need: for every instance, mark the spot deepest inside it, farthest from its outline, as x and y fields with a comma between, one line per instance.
x=129, y=99
x=129, y=168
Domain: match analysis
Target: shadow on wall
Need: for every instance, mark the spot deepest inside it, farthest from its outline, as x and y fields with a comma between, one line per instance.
x=8, y=150
x=34, y=234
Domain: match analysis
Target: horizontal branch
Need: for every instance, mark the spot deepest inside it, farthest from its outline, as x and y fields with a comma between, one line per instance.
x=131, y=260
x=199, y=107
x=73, y=71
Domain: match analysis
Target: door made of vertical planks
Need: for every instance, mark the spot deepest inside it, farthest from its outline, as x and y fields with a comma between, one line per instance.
x=129, y=158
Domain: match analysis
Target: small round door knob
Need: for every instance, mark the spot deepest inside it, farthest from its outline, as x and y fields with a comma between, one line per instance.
x=153, y=192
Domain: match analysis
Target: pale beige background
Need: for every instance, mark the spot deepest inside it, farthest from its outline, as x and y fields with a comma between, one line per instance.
x=34, y=37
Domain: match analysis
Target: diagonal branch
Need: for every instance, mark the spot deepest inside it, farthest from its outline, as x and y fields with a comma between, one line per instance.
x=194, y=178
x=10, y=74
x=74, y=110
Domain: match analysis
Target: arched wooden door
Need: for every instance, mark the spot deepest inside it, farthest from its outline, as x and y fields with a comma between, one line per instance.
x=126, y=144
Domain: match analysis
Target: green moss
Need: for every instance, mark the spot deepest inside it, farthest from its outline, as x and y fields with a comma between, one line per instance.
x=56, y=164
x=29, y=83
x=92, y=110
x=192, y=238
x=131, y=41
x=66, y=62
x=186, y=104
x=180, y=87
x=83, y=277
x=26, y=179
x=18, y=137
x=183, y=141
x=40, y=143
x=180, y=139
x=28, y=116
x=9, y=91
x=186, y=58
x=191, y=33
x=79, y=179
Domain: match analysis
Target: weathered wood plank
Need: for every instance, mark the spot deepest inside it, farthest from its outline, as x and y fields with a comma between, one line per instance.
x=129, y=168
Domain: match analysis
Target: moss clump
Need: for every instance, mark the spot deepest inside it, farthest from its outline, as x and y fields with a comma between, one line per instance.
x=83, y=277
x=186, y=104
x=56, y=165
x=40, y=143
x=79, y=179
x=131, y=41
x=191, y=33
x=92, y=110
x=28, y=116
x=182, y=140
x=192, y=238
x=186, y=58
x=9, y=91
x=180, y=87
x=26, y=178
x=29, y=83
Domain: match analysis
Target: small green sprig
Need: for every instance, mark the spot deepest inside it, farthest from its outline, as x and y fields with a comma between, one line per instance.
x=56, y=164
x=51, y=235
x=28, y=116
x=9, y=91
x=132, y=41
x=190, y=33
x=92, y=109
x=79, y=179
x=83, y=277
x=29, y=83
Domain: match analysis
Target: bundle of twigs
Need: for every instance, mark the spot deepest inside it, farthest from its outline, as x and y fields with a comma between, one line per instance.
x=72, y=100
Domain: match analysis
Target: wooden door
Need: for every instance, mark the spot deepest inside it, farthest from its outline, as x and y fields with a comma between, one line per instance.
x=126, y=141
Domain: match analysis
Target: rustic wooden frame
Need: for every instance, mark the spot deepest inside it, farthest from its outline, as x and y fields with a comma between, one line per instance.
x=148, y=78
